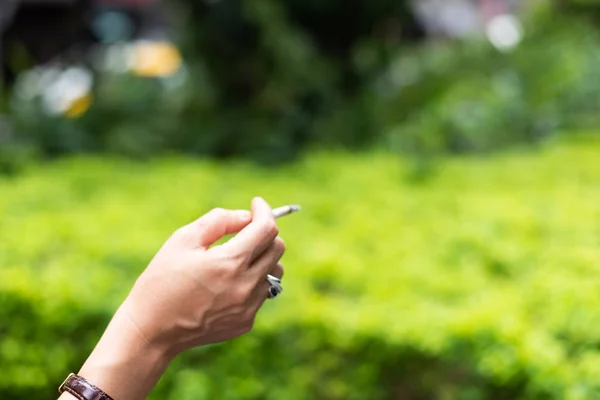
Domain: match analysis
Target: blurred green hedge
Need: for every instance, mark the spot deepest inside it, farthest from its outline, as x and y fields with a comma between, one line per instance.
x=266, y=80
x=478, y=283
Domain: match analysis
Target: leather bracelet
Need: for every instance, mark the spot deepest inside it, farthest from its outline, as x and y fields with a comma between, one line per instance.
x=82, y=389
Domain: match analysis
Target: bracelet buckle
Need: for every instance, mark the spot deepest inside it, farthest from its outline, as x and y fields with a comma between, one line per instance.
x=61, y=388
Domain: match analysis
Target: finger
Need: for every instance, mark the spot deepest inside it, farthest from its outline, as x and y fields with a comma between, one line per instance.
x=213, y=225
x=267, y=261
x=263, y=292
x=259, y=234
x=278, y=271
x=260, y=295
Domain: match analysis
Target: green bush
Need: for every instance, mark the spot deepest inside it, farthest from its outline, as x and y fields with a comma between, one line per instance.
x=467, y=97
x=478, y=283
x=267, y=80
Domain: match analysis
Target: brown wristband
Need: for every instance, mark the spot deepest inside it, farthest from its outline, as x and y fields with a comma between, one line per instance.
x=82, y=389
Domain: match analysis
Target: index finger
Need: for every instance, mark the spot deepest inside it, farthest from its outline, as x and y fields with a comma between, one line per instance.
x=258, y=234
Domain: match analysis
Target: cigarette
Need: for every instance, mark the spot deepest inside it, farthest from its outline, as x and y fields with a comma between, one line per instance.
x=285, y=210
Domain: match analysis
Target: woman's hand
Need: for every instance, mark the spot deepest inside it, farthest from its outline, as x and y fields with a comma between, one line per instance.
x=191, y=294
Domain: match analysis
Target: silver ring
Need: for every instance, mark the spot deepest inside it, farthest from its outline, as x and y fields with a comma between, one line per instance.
x=275, y=289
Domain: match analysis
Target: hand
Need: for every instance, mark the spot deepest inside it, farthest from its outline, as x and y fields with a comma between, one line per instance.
x=192, y=294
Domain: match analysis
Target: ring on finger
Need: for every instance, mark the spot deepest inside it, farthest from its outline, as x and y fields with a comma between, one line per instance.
x=275, y=287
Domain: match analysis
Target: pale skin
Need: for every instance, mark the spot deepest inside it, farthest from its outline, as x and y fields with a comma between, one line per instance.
x=191, y=294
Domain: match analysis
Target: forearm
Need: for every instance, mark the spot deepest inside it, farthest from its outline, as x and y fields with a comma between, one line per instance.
x=124, y=364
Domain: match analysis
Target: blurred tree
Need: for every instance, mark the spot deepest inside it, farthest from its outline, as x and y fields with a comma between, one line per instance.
x=280, y=68
x=265, y=79
x=36, y=33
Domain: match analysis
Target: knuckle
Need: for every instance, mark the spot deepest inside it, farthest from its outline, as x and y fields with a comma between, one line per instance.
x=243, y=294
x=280, y=244
x=182, y=232
x=217, y=212
x=270, y=229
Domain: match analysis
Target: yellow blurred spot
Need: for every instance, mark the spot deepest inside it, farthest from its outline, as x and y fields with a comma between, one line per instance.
x=155, y=59
x=79, y=106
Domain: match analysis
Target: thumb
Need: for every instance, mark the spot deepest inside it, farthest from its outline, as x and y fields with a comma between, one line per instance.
x=215, y=224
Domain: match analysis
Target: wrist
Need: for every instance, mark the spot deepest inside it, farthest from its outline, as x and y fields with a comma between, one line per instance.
x=124, y=364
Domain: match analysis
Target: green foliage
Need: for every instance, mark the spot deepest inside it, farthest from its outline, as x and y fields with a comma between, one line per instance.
x=469, y=97
x=266, y=80
x=478, y=283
